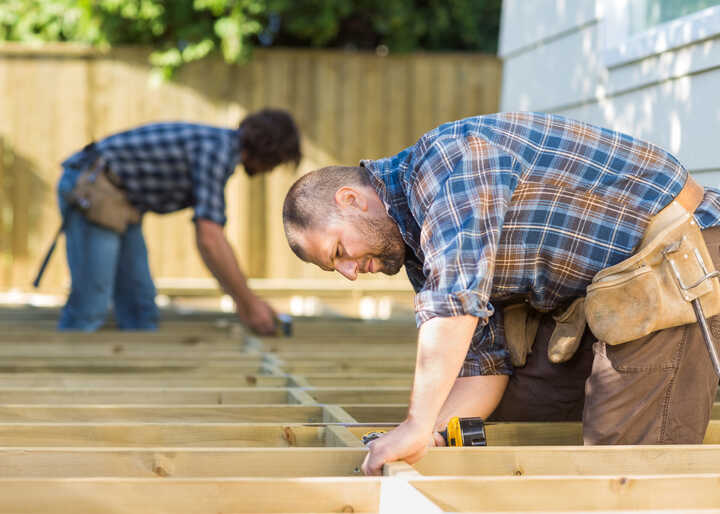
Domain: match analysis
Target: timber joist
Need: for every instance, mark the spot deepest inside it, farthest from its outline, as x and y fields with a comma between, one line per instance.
x=199, y=417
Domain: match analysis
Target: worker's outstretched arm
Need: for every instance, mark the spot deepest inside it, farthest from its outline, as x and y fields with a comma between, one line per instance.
x=442, y=346
x=220, y=259
x=471, y=397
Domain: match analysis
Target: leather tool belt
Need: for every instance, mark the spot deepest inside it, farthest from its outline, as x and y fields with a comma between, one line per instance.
x=647, y=292
x=652, y=290
x=98, y=196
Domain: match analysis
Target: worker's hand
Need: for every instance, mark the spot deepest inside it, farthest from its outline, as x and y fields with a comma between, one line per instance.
x=258, y=316
x=438, y=439
x=408, y=442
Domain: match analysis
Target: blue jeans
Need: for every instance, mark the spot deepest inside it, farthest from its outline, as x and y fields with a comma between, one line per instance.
x=104, y=266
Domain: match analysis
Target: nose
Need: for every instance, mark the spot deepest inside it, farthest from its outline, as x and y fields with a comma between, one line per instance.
x=347, y=268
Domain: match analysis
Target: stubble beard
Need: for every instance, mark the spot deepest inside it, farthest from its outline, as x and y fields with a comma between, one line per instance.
x=386, y=242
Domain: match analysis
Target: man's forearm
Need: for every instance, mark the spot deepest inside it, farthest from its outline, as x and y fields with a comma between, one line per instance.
x=218, y=256
x=472, y=397
x=442, y=346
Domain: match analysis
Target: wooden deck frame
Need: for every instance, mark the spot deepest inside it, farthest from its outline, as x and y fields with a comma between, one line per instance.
x=185, y=419
x=456, y=494
x=315, y=462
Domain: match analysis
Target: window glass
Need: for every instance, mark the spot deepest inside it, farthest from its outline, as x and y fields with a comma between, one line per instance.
x=648, y=13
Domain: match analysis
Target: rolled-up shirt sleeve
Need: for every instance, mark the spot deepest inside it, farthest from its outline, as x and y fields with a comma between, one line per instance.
x=459, y=238
x=209, y=175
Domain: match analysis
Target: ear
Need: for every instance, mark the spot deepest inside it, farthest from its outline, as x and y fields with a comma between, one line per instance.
x=351, y=198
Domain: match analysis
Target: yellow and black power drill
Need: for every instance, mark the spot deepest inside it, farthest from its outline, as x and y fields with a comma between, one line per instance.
x=459, y=432
x=465, y=432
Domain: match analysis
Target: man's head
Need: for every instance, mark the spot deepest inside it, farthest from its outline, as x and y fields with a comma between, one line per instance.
x=269, y=138
x=334, y=218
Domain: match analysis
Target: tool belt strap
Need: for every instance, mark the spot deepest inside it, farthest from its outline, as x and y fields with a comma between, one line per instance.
x=687, y=201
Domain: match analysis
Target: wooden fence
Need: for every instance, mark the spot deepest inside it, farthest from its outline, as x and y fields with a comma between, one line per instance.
x=349, y=105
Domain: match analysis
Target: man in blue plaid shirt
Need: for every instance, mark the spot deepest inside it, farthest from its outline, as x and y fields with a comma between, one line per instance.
x=511, y=208
x=162, y=168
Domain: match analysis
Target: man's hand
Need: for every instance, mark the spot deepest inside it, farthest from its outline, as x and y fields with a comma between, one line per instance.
x=258, y=316
x=220, y=260
x=442, y=345
x=408, y=442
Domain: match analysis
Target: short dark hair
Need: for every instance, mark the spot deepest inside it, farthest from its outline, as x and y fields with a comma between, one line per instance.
x=311, y=199
x=270, y=137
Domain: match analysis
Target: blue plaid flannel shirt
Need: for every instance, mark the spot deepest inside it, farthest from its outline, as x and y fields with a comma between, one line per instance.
x=520, y=205
x=165, y=167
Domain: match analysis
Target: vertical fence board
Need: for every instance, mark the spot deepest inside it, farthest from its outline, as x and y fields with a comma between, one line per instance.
x=349, y=105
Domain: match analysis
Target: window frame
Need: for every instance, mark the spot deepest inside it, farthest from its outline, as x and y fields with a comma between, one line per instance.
x=620, y=48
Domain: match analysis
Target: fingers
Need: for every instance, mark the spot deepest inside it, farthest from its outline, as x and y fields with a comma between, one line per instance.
x=438, y=440
x=375, y=458
x=413, y=458
x=265, y=327
x=373, y=463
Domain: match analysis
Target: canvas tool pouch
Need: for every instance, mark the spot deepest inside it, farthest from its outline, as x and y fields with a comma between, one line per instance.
x=98, y=196
x=652, y=290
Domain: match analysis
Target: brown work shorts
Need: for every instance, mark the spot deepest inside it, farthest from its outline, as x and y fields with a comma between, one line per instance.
x=658, y=389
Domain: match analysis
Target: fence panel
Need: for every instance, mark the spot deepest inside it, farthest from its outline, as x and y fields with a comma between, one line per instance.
x=349, y=105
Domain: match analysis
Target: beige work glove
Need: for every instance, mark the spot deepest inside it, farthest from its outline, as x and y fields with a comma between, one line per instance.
x=569, y=329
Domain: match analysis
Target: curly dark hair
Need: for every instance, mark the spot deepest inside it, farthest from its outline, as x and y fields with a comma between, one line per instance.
x=269, y=138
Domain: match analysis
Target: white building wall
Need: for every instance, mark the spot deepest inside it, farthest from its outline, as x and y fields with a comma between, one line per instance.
x=571, y=57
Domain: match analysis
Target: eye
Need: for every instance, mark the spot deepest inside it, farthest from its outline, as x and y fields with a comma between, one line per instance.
x=338, y=252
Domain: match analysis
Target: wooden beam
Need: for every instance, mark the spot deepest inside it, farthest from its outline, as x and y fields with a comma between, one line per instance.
x=549, y=494
x=342, y=437
x=335, y=414
x=397, y=352
x=168, y=434
x=206, y=462
x=161, y=414
x=352, y=395
x=570, y=460
x=181, y=462
x=145, y=396
x=406, y=366
x=189, y=495
x=359, y=380
x=300, y=396
x=211, y=367
x=128, y=350
x=335, y=344
x=377, y=413
x=111, y=336
x=167, y=380
x=361, y=494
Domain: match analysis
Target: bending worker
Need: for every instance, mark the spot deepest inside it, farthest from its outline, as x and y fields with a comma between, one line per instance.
x=162, y=167
x=514, y=229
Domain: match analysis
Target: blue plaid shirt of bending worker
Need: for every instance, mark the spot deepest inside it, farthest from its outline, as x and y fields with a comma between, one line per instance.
x=165, y=167
x=520, y=205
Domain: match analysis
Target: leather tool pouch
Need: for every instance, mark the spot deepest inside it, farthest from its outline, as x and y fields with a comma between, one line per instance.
x=521, y=324
x=569, y=328
x=101, y=200
x=652, y=290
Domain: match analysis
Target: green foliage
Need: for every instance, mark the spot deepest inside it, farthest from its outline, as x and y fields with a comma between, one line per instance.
x=401, y=25
x=181, y=31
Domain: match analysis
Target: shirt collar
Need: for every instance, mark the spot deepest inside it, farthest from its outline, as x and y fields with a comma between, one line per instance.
x=390, y=178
